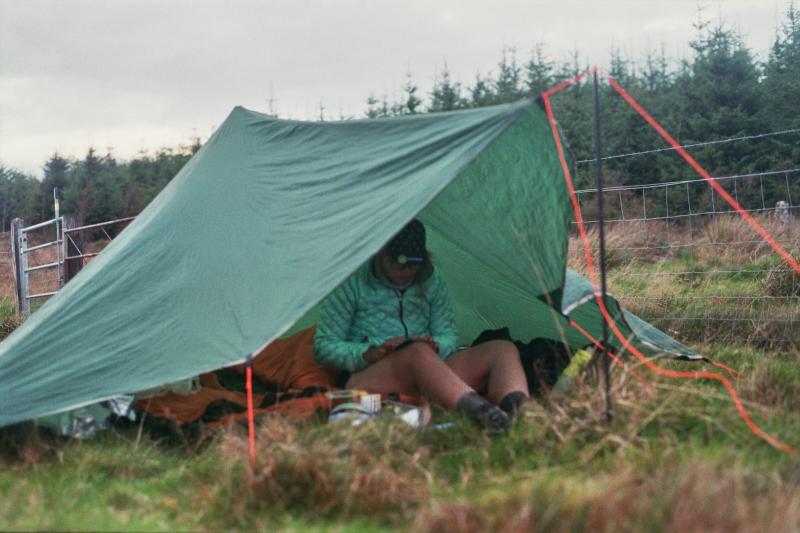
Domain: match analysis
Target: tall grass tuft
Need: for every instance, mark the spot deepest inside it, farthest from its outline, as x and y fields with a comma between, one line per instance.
x=335, y=471
x=696, y=496
x=8, y=318
x=660, y=465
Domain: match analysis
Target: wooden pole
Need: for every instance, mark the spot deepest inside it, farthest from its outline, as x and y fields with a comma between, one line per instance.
x=601, y=219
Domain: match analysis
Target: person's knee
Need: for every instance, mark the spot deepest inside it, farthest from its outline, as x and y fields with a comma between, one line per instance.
x=421, y=351
x=418, y=355
x=502, y=349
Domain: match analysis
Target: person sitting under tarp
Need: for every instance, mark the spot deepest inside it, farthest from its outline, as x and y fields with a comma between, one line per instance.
x=389, y=328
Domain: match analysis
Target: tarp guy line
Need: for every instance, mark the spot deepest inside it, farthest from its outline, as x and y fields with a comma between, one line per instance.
x=251, y=432
x=700, y=170
x=598, y=297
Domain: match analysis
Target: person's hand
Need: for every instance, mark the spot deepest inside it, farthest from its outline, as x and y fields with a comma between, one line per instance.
x=374, y=354
x=391, y=344
x=427, y=339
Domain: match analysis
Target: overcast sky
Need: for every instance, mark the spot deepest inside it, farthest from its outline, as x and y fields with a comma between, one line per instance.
x=141, y=74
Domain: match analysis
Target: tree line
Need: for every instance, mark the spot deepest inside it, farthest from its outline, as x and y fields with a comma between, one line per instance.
x=723, y=91
x=95, y=188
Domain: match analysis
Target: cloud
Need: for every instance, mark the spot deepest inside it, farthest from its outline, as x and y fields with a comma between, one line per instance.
x=129, y=69
x=665, y=24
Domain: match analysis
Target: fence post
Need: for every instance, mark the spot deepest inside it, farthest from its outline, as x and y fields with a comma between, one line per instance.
x=19, y=263
x=72, y=244
x=16, y=224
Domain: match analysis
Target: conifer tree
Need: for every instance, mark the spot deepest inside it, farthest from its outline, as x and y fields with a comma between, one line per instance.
x=79, y=196
x=56, y=173
x=18, y=197
x=373, y=109
x=538, y=72
x=655, y=75
x=412, y=101
x=722, y=98
x=507, y=84
x=782, y=74
x=385, y=109
x=446, y=95
x=481, y=93
x=108, y=198
x=781, y=93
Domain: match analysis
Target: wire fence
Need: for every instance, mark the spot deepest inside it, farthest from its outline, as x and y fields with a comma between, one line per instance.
x=695, y=145
x=681, y=258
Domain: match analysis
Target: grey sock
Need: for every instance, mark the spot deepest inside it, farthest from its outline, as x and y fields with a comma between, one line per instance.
x=483, y=412
x=513, y=402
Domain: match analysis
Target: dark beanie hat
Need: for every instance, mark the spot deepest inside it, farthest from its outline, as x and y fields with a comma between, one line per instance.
x=408, y=246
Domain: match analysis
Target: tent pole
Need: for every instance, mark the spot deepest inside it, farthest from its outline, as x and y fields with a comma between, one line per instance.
x=601, y=219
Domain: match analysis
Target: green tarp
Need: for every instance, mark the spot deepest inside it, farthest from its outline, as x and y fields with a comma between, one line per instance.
x=271, y=215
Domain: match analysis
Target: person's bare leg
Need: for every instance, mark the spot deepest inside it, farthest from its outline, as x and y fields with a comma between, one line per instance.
x=493, y=368
x=413, y=370
x=416, y=369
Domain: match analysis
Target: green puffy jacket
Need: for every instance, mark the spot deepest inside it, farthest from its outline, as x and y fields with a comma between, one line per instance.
x=365, y=311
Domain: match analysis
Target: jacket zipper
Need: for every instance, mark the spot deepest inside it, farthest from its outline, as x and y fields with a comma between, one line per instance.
x=399, y=294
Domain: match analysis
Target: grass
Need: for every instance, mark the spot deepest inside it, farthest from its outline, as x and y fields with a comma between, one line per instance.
x=675, y=457
x=8, y=317
x=717, y=282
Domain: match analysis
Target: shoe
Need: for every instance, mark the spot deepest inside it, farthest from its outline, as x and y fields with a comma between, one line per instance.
x=483, y=412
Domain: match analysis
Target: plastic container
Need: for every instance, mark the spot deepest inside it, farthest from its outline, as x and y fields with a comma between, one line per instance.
x=580, y=359
x=371, y=403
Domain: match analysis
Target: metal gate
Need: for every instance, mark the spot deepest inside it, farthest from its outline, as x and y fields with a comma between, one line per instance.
x=22, y=252
x=51, y=246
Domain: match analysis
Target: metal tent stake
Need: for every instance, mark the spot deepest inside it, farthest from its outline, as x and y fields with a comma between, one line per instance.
x=601, y=219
